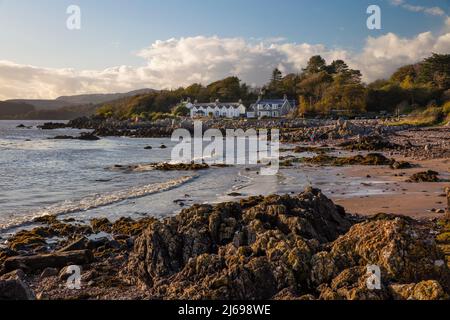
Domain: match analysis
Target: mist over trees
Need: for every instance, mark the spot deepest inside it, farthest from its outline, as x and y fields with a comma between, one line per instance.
x=320, y=88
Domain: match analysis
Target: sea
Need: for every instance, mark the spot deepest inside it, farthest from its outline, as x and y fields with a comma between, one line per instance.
x=82, y=180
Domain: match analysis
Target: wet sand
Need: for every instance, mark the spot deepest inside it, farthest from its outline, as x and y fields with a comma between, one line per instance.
x=399, y=197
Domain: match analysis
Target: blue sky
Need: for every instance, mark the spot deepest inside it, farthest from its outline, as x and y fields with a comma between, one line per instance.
x=33, y=35
x=33, y=31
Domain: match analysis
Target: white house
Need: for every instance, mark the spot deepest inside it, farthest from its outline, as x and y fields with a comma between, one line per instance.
x=272, y=108
x=216, y=109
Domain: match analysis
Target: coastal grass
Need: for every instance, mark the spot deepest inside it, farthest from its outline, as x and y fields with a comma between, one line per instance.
x=430, y=116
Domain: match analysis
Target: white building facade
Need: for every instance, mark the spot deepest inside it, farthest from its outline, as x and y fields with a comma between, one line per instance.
x=216, y=109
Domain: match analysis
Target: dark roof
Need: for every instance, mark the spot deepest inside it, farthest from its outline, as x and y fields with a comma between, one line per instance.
x=217, y=104
x=274, y=101
x=271, y=101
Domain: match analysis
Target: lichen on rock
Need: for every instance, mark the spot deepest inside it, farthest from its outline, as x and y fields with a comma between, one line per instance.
x=283, y=247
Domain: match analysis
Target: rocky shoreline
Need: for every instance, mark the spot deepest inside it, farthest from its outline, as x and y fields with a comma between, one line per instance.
x=356, y=135
x=277, y=247
x=289, y=247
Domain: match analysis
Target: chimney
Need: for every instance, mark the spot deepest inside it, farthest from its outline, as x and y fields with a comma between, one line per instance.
x=195, y=101
x=217, y=100
x=285, y=97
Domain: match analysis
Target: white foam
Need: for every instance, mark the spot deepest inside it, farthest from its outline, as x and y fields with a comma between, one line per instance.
x=98, y=200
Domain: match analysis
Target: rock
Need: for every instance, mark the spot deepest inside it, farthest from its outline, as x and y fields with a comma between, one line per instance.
x=163, y=146
x=401, y=165
x=371, y=159
x=404, y=252
x=250, y=250
x=49, y=272
x=148, y=148
x=52, y=126
x=180, y=166
x=28, y=240
x=80, y=244
x=101, y=225
x=84, y=136
x=53, y=260
x=6, y=253
x=424, y=290
x=14, y=287
x=426, y=176
x=63, y=137
x=88, y=137
x=369, y=143
x=351, y=284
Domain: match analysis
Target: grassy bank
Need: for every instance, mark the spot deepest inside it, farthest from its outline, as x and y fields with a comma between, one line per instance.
x=429, y=116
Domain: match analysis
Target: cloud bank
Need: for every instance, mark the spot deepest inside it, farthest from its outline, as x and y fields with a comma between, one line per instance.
x=180, y=62
x=434, y=11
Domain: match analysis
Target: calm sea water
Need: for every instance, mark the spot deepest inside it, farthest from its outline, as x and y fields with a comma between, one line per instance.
x=71, y=178
x=42, y=176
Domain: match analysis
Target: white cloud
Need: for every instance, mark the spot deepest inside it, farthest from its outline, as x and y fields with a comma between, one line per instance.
x=434, y=11
x=180, y=62
x=382, y=55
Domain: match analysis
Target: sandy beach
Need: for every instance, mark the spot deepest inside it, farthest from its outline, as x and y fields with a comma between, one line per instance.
x=403, y=198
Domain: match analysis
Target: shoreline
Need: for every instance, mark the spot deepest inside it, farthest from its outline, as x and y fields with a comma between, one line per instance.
x=115, y=265
x=390, y=187
x=290, y=246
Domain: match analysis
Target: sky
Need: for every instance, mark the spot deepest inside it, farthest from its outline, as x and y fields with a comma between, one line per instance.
x=124, y=45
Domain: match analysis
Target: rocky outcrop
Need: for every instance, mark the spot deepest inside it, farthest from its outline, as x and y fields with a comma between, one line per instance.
x=371, y=159
x=52, y=126
x=299, y=247
x=370, y=143
x=180, y=166
x=424, y=290
x=426, y=176
x=401, y=248
x=14, y=287
x=283, y=247
x=84, y=136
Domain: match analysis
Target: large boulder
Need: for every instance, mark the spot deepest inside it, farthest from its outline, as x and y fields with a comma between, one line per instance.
x=297, y=247
x=351, y=284
x=14, y=287
x=246, y=250
x=403, y=250
x=424, y=290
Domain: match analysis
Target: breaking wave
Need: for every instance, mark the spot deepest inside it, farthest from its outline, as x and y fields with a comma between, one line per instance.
x=97, y=201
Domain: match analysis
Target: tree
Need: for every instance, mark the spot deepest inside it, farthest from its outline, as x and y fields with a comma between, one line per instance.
x=313, y=86
x=409, y=71
x=228, y=89
x=276, y=76
x=435, y=70
x=181, y=110
x=303, y=107
x=337, y=66
x=315, y=64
